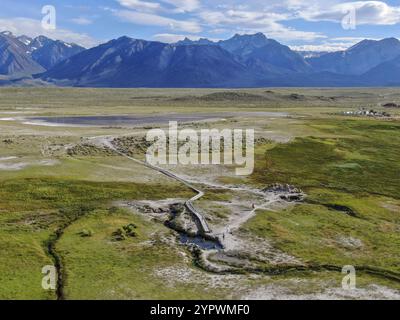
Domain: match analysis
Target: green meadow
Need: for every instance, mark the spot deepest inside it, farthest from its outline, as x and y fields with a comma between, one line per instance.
x=351, y=174
x=58, y=208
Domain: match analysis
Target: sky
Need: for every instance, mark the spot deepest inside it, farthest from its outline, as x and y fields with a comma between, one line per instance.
x=316, y=25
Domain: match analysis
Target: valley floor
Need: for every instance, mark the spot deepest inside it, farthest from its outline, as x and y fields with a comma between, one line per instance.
x=79, y=196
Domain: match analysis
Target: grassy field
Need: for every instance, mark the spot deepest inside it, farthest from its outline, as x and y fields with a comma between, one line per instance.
x=54, y=205
x=351, y=175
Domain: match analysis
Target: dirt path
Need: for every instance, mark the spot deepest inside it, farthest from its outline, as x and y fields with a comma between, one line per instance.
x=224, y=234
x=189, y=204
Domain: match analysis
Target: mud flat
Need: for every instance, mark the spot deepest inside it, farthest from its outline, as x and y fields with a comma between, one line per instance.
x=63, y=198
x=138, y=120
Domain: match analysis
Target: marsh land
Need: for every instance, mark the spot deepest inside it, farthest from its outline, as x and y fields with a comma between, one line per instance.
x=75, y=193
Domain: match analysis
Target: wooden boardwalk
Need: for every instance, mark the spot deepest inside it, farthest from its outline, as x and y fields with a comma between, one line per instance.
x=201, y=221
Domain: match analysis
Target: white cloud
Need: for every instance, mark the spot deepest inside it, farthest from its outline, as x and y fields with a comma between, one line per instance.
x=178, y=6
x=33, y=28
x=289, y=34
x=240, y=17
x=253, y=21
x=367, y=12
x=169, y=37
x=328, y=47
x=192, y=16
x=172, y=19
x=331, y=45
x=140, y=5
x=82, y=21
x=172, y=38
x=352, y=40
x=184, y=5
x=149, y=19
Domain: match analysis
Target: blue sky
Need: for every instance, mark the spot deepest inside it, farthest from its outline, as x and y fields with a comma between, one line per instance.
x=311, y=24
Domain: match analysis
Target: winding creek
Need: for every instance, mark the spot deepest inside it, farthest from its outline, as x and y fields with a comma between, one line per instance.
x=208, y=242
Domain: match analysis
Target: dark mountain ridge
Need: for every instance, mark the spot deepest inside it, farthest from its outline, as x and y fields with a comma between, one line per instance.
x=15, y=58
x=24, y=55
x=358, y=59
x=241, y=61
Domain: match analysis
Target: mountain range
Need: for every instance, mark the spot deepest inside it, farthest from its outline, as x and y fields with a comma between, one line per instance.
x=241, y=61
x=23, y=55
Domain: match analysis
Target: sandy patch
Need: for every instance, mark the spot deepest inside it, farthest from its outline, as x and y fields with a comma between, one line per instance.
x=9, y=119
x=248, y=287
x=152, y=208
x=13, y=166
x=8, y=158
x=16, y=112
x=391, y=207
x=9, y=163
x=279, y=292
x=49, y=124
x=186, y=275
x=349, y=242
